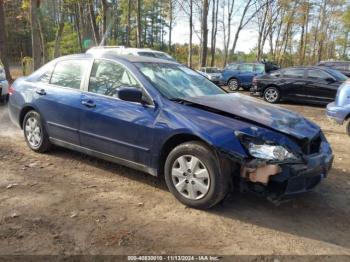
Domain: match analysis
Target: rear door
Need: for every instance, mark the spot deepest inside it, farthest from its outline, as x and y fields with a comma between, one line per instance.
x=320, y=87
x=112, y=126
x=246, y=74
x=292, y=82
x=59, y=99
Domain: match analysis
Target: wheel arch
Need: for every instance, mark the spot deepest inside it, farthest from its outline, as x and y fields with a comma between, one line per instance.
x=173, y=142
x=233, y=77
x=23, y=113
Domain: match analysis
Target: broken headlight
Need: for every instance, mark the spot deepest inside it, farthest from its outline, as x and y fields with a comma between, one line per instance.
x=270, y=152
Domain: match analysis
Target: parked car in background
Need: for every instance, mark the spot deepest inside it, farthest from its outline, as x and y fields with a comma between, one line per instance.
x=122, y=50
x=3, y=86
x=165, y=119
x=212, y=73
x=342, y=66
x=339, y=110
x=306, y=84
x=239, y=75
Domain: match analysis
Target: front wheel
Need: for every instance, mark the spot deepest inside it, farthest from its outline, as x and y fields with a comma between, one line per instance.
x=272, y=95
x=35, y=133
x=193, y=176
x=233, y=84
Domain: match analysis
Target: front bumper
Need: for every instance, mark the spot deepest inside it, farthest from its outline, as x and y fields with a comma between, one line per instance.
x=286, y=180
x=337, y=113
x=255, y=91
x=300, y=178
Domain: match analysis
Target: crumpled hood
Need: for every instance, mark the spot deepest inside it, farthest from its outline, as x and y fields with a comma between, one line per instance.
x=252, y=109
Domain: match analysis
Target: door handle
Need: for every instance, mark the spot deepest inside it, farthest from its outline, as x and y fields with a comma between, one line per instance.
x=88, y=103
x=41, y=92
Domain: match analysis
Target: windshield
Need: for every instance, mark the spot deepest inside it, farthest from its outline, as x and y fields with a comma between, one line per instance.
x=338, y=75
x=177, y=81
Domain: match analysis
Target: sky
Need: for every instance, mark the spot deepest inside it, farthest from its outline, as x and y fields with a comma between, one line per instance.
x=247, y=39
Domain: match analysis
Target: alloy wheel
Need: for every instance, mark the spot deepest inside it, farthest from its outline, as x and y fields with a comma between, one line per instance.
x=233, y=85
x=33, y=132
x=190, y=177
x=271, y=95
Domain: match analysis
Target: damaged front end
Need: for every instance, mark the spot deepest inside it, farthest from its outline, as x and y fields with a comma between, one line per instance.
x=279, y=173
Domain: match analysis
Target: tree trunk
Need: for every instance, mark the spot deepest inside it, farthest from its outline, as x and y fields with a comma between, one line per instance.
x=93, y=23
x=204, y=33
x=3, y=43
x=189, y=60
x=59, y=32
x=36, y=52
x=240, y=26
x=170, y=24
x=139, y=28
x=214, y=30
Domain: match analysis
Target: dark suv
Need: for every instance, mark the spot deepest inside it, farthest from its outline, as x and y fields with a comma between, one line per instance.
x=342, y=66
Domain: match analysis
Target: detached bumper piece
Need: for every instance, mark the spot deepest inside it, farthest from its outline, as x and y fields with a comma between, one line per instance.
x=282, y=182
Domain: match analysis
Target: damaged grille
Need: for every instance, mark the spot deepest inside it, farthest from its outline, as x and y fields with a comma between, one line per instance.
x=313, y=146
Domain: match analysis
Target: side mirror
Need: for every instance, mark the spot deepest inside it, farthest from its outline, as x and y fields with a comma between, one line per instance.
x=330, y=80
x=130, y=94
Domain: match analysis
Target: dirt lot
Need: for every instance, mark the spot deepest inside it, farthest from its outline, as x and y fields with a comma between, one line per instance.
x=67, y=203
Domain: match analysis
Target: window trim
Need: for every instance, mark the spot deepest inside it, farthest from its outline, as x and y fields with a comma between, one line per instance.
x=317, y=79
x=150, y=101
x=284, y=72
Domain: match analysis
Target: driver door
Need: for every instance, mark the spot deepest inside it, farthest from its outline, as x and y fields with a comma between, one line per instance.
x=112, y=126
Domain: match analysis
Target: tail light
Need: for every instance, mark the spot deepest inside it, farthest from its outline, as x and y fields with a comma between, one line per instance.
x=11, y=90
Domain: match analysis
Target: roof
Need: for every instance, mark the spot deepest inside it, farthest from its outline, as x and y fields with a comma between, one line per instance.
x=112, y=55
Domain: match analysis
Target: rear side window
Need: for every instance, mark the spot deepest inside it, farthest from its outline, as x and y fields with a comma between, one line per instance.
x=294, y=73
x=69, y=73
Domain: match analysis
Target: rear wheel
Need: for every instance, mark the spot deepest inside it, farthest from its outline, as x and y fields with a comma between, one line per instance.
x=192, y=174
x=272, y=95
x=233, y=84
x=35, y=133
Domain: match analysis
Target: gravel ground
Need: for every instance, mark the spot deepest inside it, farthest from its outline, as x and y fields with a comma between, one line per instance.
x=68, y=203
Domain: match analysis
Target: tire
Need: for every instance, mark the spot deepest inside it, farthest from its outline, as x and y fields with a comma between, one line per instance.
x=35, y=133
x=233, y=84
x=272, y=95
x=202, y=186
x=347, y=126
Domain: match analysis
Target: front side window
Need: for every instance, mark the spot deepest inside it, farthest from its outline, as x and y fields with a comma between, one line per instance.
x=318, y=75
x=69, y=73
x=177, y=81
x=294, y=73
x=259, y=68
x=107, y=77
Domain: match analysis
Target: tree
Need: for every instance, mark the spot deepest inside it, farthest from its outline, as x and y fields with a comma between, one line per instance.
x=139, y=28
x=93, y=22
x=36, y=39
x=214, y=30
x=3, y=42
x=204, y=27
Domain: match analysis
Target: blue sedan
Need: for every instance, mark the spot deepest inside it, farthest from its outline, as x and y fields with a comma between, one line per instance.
x=165, y=119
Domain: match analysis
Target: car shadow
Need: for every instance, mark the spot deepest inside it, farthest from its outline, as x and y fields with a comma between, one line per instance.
x=317, y=215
